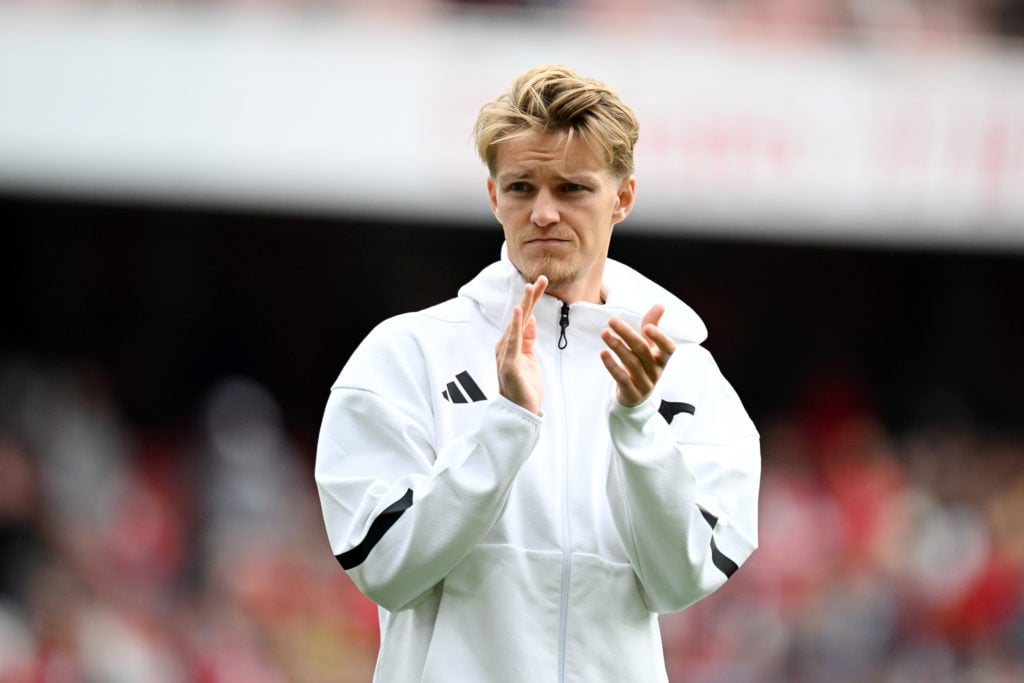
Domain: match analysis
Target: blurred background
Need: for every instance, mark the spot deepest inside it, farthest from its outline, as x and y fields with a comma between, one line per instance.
x=206, y=205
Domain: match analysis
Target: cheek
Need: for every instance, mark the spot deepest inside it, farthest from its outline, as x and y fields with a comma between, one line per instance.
x=504, y=210
x=505, y=217
x=600, y=239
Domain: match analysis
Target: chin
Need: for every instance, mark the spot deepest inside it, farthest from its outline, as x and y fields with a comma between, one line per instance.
x=558, y=273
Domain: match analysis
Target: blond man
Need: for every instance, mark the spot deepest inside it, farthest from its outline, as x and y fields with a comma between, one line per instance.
x=523, y=477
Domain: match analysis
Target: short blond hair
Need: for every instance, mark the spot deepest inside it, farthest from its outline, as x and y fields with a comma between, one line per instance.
x=554, y=98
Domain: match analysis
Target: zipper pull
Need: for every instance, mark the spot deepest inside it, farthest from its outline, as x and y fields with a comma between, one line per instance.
x=563, y=323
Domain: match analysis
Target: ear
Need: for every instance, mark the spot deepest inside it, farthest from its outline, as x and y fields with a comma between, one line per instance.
x=626, y=199
x=492, y=192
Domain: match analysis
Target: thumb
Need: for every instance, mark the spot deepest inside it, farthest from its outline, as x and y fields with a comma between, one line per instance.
x=653, y=316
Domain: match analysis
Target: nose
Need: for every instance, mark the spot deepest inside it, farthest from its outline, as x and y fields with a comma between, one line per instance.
x=545, y=209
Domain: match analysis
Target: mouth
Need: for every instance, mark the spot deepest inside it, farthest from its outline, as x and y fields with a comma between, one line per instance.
x=546, y=241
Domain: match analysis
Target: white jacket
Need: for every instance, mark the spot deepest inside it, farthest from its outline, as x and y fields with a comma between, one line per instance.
x=502, y=546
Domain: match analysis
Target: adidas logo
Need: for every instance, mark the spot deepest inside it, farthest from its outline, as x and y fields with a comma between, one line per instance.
x=454, y=394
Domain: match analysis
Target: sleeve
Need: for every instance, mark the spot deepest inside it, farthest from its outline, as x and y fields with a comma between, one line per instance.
x=683, y=483
x=401, y=510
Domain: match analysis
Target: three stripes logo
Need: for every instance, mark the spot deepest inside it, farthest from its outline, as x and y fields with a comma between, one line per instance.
x=462, y=387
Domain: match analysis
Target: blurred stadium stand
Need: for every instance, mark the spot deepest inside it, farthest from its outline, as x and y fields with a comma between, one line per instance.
x=206, y=206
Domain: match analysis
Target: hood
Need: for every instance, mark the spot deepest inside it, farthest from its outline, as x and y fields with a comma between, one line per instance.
x=499, y=287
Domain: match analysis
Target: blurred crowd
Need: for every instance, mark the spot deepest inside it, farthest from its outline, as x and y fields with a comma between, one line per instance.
x=198, y=554
x=829, y=19
x=193, y=556
x=801, y=18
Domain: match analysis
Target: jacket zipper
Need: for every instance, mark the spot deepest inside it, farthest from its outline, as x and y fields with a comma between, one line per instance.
x=563, y=614
x=563, y=322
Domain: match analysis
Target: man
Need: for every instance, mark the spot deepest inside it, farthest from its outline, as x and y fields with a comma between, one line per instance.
x=522, y=511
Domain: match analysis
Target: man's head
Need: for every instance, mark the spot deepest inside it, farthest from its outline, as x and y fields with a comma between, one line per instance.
x=559, y=148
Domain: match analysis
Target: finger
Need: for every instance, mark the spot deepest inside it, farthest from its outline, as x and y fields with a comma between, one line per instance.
x=628, y=394
x=528, y=336
x=653, y=316
x=541, y=284
x=642, y=372
x=654, y=334
x=532, y=294
x=632, y=338
x=510, y=341
x=618, y=373
x=662, y=341
x=637, y=344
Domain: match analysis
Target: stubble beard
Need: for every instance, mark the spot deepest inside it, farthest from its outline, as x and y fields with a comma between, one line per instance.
x=559, y=272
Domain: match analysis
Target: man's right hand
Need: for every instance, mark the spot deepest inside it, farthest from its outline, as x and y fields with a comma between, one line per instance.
x=519, y=377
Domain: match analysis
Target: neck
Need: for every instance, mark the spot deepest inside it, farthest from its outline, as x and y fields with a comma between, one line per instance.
x=571, y=295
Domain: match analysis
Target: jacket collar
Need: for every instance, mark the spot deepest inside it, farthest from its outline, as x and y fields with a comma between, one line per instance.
x=499, y=287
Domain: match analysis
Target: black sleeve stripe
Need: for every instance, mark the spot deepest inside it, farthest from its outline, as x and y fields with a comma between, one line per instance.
x=355, y=557
x=724, y=564
x=669, y=409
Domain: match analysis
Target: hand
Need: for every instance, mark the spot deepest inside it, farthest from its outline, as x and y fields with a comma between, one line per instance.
x=519, y=378
x=642, y=356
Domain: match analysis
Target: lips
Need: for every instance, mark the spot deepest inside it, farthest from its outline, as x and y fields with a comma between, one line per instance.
x=547, y=241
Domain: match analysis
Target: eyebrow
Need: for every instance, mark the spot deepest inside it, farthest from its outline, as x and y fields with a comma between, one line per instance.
x=585, y=178
x=510, y=177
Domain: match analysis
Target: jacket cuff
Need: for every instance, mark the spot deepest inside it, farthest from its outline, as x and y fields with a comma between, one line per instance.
x=514, y=407
x=637, y=415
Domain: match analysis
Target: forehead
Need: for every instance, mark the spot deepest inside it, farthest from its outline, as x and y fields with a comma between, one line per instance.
x=532, y=152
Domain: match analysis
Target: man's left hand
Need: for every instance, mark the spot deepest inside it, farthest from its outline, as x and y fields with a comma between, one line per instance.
x=635, y=360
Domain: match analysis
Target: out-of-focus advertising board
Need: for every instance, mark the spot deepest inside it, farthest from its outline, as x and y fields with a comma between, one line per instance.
x=368, y=115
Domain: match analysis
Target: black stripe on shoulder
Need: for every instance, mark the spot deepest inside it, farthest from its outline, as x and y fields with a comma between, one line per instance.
x=355, y=557
x=669, y=409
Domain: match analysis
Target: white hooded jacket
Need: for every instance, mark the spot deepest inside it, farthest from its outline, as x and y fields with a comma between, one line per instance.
x=503, y=546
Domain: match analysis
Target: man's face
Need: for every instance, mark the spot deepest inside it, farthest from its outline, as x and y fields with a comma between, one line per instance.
x=557, y=209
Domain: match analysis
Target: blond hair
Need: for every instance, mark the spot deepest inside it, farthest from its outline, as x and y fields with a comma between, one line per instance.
x=554, y=98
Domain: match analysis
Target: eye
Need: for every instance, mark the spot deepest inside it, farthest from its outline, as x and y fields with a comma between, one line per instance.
x=517, y=186
x=573, y=187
